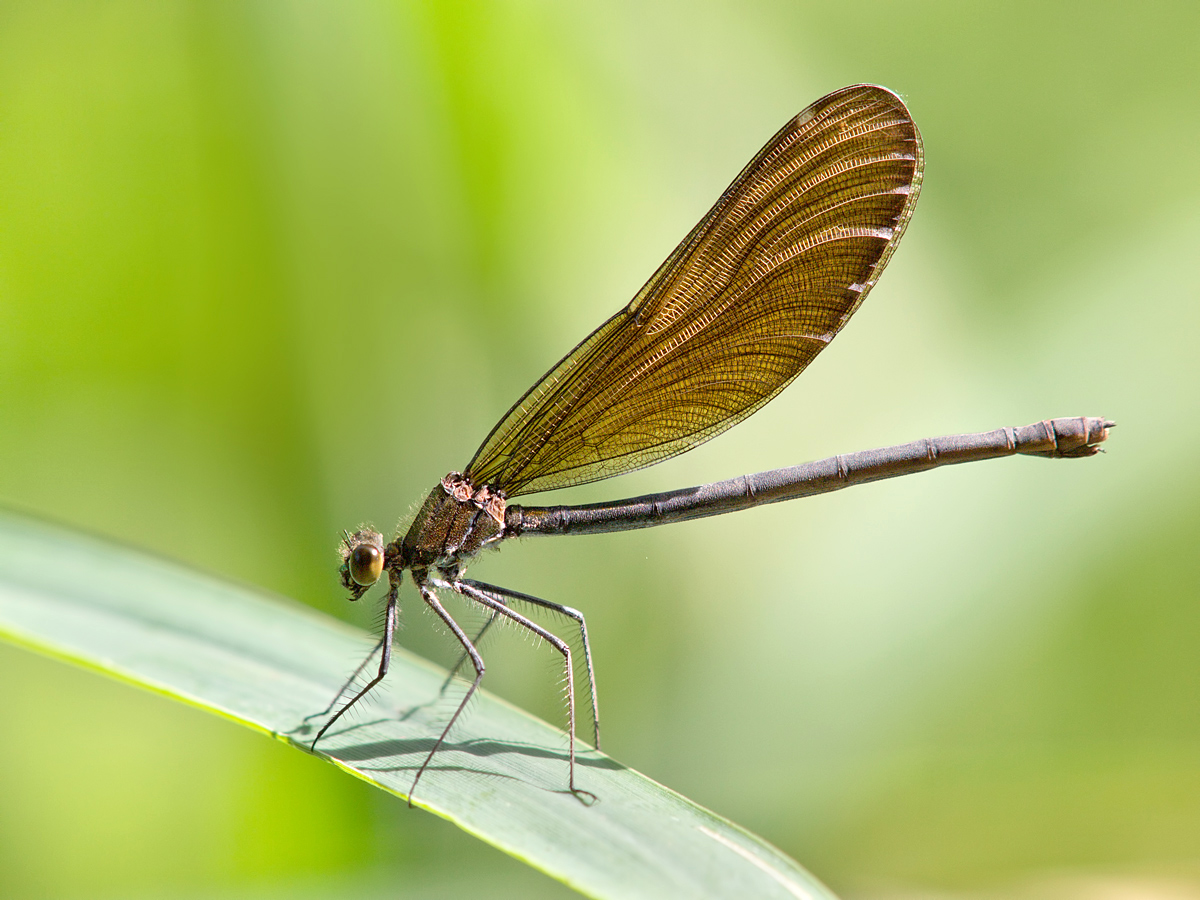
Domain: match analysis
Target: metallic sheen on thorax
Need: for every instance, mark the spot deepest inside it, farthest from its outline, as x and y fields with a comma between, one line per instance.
x=456, y=521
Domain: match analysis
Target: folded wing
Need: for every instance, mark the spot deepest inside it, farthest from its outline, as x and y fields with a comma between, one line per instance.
x=751, y=296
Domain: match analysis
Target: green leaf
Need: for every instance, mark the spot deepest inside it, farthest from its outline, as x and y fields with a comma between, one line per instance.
x=267, y=663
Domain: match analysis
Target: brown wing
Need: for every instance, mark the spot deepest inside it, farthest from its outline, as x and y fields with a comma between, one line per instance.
x=758, y=288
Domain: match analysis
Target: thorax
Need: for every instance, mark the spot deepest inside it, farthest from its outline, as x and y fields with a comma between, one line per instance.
x=456, y=521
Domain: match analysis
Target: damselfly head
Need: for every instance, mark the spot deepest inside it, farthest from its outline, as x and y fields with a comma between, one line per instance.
x=362, y=560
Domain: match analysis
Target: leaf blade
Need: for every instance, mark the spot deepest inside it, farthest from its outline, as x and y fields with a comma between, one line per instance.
x=266, y=664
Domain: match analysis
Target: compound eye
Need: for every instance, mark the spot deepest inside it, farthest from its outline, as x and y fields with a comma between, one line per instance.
x=366, y=564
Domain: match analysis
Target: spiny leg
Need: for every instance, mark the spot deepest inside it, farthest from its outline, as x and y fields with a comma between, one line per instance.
x=569, y=613
x=432, y=601
x=464, y=657
x=389, y=631
x=481, y=596
x=349, y=681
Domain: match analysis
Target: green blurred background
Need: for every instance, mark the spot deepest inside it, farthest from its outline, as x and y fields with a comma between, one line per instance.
x=268, y=270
